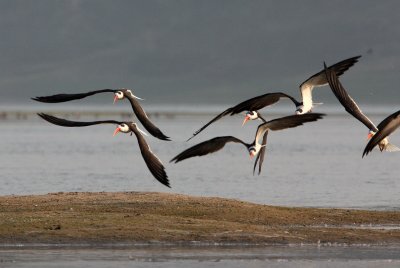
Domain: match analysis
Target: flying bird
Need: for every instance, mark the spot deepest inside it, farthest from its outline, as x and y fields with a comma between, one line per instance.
x=254, y=148
x=257, y=103
x=319, y=80
x=119, y=94
x=352, y=108
x=386, y=127
x=251, y=105
x=153, y=163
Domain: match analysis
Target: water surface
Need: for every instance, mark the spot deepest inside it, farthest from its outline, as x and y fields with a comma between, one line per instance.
x=317, y=165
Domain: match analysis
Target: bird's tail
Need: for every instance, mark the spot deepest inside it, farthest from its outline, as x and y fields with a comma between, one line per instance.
x=391, y=148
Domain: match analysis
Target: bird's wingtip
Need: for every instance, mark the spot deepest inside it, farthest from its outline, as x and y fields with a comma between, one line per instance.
x=165, y=182
x=164, y=138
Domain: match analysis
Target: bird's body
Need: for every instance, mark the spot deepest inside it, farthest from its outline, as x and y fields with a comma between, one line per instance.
x=153, y=163
x=386, y=127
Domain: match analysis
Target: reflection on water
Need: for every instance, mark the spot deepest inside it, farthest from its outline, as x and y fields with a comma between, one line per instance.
x=273, y=256
x=318, y=164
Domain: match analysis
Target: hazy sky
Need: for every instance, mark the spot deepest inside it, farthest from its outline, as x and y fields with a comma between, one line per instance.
x=197, y=51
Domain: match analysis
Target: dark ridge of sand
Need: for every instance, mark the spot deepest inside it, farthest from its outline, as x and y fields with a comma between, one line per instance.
x=136, y=217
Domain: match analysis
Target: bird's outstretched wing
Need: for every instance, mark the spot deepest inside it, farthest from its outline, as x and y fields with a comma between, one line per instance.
x=286, y=122
x=68, y=123
x=143, y=118
x=69, y=97
x=259, y=102
x=153, y=163
x=346, y=100
x=206, y=147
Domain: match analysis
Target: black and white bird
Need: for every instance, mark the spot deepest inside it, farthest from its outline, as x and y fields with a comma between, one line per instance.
x=257, y=147
x=153, y=163
x=119, y=94
x=251, y=106
x=319, y=80
x=352, y=108
x=386, y=127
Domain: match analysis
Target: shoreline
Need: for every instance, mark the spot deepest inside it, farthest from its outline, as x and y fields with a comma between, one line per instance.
x=142, y=219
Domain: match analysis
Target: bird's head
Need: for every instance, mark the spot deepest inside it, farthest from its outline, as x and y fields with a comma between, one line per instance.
x=124, y=128
x=252, y=151
x=250, y=115
x=300, y=109
x=119, y=95
x=128, y=128
x=122, y=93
x=370, y=134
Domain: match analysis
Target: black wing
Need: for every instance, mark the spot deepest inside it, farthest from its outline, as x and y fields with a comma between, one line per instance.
x=319, y=79
x=206, y=147
x=289, y=121
x=226, y=112
x=69, y=97
x=67, y=123
x=252, y=104
x=153, y=163
x=260, y=102
x=344, y=98
x=261, y=154
x=147, y=124
x=386, y=127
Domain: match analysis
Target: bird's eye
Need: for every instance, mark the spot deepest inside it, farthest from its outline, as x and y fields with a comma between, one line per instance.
x=300, y=110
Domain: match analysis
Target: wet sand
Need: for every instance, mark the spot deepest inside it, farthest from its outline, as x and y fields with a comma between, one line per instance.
x=156, y=218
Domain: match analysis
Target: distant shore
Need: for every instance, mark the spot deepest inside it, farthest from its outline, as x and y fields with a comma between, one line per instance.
x=141, y=217
x=77, y=111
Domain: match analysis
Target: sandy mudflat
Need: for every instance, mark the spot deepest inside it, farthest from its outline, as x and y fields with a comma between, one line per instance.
x=130, y=217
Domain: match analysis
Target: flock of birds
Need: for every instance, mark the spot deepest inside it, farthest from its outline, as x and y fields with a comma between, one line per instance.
x=378, y=135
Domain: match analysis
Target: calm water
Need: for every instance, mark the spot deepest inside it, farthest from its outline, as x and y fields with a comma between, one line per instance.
x=318, y=164
x=277, y=256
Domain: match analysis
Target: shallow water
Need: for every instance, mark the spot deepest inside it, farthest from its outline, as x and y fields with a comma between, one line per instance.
x=316, y=165
x=274, y=256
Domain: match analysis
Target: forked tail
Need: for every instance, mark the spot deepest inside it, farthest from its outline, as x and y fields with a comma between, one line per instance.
x=391, y=148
